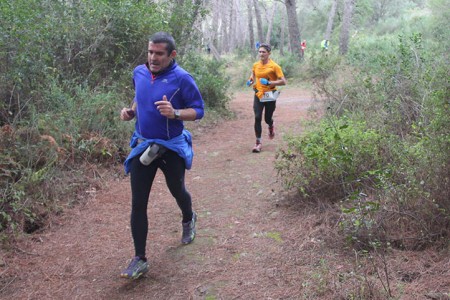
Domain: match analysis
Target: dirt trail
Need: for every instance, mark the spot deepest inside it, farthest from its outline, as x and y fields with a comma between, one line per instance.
x=252, y=242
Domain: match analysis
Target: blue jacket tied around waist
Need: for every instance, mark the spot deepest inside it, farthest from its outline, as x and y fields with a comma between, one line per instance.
x=181, y=144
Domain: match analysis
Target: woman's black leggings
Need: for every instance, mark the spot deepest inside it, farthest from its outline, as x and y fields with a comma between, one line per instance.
x=141, y=176
x=258, y=108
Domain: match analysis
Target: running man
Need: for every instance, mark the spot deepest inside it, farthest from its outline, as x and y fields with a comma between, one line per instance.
x=165, y=96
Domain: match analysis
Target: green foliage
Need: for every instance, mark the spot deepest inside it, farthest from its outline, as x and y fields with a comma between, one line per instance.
x=392, y=180
x=392, y=88
x=336, y=158
x=27, y=170
x=369, y=14
x=93, y=43
x=77, y=110
x=239, y=70
x=65, y=75
x=370, y=18
x=80, y=126
x=211, y=79
x=367, y=51
x=181, y=22
x=359, y=221
x=288, y=62
x=439, y=23
x=321, y=65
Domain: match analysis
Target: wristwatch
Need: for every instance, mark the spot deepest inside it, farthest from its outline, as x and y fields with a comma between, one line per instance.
x=177, y=113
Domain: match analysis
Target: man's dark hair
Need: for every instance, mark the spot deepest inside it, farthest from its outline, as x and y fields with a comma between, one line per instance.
x=266, y=46
x=163, y=37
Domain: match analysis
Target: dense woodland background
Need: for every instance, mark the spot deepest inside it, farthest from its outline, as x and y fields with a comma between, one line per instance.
x=379, y=148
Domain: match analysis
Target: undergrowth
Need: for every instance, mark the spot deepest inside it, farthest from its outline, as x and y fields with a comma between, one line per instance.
x=381, y=150
x=66, y=73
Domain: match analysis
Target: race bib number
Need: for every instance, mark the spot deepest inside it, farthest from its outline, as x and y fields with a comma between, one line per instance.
x=270, y=96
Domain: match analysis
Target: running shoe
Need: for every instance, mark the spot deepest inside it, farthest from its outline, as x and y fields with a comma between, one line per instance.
x=136, y=268
x=189, y=230
x=271, y=131
x=257, y=148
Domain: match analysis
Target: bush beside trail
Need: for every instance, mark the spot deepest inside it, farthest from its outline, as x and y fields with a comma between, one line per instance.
x=380, y=151
x=66, y=73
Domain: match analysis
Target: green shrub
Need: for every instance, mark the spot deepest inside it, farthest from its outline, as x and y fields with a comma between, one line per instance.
x=92, y=44
x=288, y=62
x=408, y=208
x=334, y=159
x=321, y=66
x=400, y=91
x=368, y=51
x=212, y=81
x=31, y=181
x=239, y=70
x=65, y=75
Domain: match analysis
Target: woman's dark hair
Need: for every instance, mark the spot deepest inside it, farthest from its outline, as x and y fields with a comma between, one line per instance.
x=163, y=37
x=266, y=46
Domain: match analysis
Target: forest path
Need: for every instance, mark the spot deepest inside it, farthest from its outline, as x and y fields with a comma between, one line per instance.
x=253, y=240
x=243, y=238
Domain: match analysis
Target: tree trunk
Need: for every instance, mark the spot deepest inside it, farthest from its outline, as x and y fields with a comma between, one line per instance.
x=239, y=28
x=294, y=32
x=231, y=30
x=215, y=28
x=258, y=21
x=214, y=52
x=282, y=34
x=182, y=33
x=250, y=25
x=224, y=28
x=346, y=24
x=331, y=20
x=380, y=10
x=270, y=25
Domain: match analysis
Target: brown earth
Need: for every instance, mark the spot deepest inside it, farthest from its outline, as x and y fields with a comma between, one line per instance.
x=254, y=240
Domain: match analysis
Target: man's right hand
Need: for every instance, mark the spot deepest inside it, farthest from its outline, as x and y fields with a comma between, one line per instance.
x=249, y=82
x=126, y=114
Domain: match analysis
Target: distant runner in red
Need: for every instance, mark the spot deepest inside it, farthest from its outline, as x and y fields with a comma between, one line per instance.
x=303, y=47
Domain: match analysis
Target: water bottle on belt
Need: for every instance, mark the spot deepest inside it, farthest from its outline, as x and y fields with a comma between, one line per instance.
x=150, y=154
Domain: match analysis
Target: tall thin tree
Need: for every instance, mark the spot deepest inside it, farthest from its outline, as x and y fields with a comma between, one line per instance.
x=282, y=33
x=215, y=28
x=294, y=32
x=231, y=30
x=346, y=24
x=258, y=21
x=331, y=15
x=270, y=25
x=250, y=24
x=224, y=30
x=239, y=29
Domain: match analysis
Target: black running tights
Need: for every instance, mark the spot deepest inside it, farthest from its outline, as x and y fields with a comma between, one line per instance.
x=258, y=108
x=141, y=177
